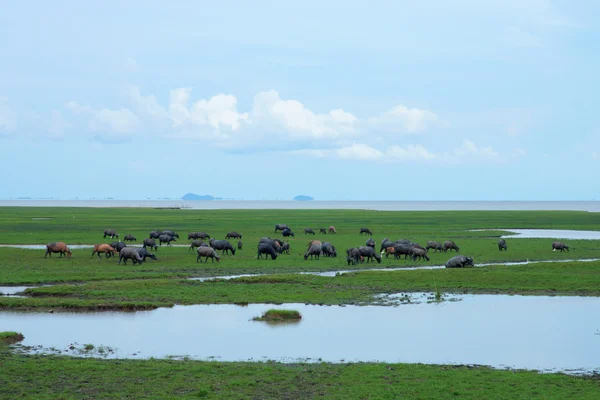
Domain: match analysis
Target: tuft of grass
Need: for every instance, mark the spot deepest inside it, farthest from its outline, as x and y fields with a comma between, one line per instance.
x=275, y=315
x=10, y=337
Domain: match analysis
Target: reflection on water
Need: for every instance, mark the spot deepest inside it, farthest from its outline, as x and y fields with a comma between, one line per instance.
x=535, y=332
x=546, y=234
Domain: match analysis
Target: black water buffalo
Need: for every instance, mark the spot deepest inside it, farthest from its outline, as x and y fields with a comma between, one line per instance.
x=170, y=233
x=166, y=239
x=323, y=231
x=437, y=246
x=198, y=235
x=280, y=227
x=118, y=246
x=314, y=249
x=233, y=235
x=129, y=238
x=353, y=256
x=502, y=245
x=207, y=252
x=222, y=245
x=155, y=234
x=366, y=230
x=309, y=231
x=450, y=245
x=111, y=233
x=419, y=253
x=150, y=243
x=287, y=232
x=285, y=248
x=559, y=246
x=459, y=262
x=267, y=249
x=369, y=253
x=145, y=253
x=402, y=241
x=402, y=249
x=130, y=253
x=370, y=242
x=385, y=243
x=197, y=243
x=239, y=244
x=328, y=250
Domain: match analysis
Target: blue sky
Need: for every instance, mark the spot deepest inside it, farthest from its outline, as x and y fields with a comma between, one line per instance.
x=378, y=100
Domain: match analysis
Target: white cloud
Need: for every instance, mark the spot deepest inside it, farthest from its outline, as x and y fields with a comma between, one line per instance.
x=411, y=152
x=470, y=148
x=402, y=119
x=359, y=152
x=108, y=121
x=8, y=119
x=364, y=152
x=516, y=36
x=146, y=105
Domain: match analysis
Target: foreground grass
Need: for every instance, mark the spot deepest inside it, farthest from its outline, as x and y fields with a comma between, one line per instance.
x=581, y=278
x=51, y=377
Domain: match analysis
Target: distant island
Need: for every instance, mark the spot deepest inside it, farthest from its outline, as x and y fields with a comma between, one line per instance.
x=302, y=197
x=193, y=196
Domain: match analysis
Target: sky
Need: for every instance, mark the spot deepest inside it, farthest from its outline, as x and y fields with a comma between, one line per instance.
x=339, y=100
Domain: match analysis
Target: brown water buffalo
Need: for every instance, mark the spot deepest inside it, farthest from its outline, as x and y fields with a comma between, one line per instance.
x=436, y=246
x=450, y=245
x=233, y=235
x=207, y=252
x=105, y=248
x=332, y=229
x=58, y=247
x=559, y=246
x=502, y=245
x=129, y=238
x=111, y=233
x=366, y=230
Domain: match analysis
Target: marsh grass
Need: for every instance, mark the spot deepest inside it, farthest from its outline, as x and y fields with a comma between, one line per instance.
x=275, y=315
x=10, y=337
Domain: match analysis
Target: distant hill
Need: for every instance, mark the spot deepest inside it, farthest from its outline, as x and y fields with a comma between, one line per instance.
x=193, y=196
x=302, y=197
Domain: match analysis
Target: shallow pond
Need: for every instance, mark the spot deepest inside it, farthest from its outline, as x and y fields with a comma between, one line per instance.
x=531, y=332
x=547, y=234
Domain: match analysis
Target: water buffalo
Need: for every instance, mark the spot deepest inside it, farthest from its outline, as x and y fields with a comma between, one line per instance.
x=370, y=242
x=107, y=249
x=198, y=235
x=502, y=245
x=385, y=243
x=437, y=246
x=118, y=246
x=450, y=245
x=419, y=253
x=332, y=229
x=559, y=246
x=155, y=234
x=280, y=227
x=309, y=231
x=222, y=245
x=197, y=243
x=170, y=233
x=111, y=233
x=150, y=243
x=287, y=232
x=129, y=238
x=402, y=241
x=239, y=244
x=267, y=249
x=353, y=256
x=369, y=253
x=58, y=247
x=145, y=253
x=207, y=252
x=402, y=249
x=314, y=249
x=165, y=238
x=389, y=250
x=131, y=254
x=366, y=230
x=285, y=248
x=328, y=250
x=233, y=235
x=323, y=231
x=459, y=262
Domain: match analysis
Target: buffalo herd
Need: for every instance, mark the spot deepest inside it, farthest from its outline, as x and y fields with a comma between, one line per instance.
x=274, y=247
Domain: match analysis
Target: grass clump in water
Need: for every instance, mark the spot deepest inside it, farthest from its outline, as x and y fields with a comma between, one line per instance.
x=10, y=337
x=279, y=316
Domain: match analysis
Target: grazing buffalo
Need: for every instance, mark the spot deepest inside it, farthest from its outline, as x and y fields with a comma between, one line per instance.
x=436, y=246
x=370, y=242
x=280, y=227
x=207, y=252
x=417, y=246
x=419, y=253
x=107, y=249
x=369, y=253
x=197, y=243
x=502, y=245
x=287, y=232
x=559, y=246
x=58, y=247
x=118, y=246
x=150, y=243
x=198, y=235
x=332, y=229
x=450, y=245
x=111, y=233
x=285, y=248
x=267, y=249
x=385, y=243
x=309, y=231
x=366, y=230
x=323, y=231
x=240, y=244
x=170, y=233
x=353, y=256
x=130, y=253
x=459, y=262
x=314, y=249
x=402, y=241
x=328, y=250
x=402, y=249
x=222, y=245
x=129, y=238
x=166, y=239
x=155, y=234
x=233, y=235
x=145, y=253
